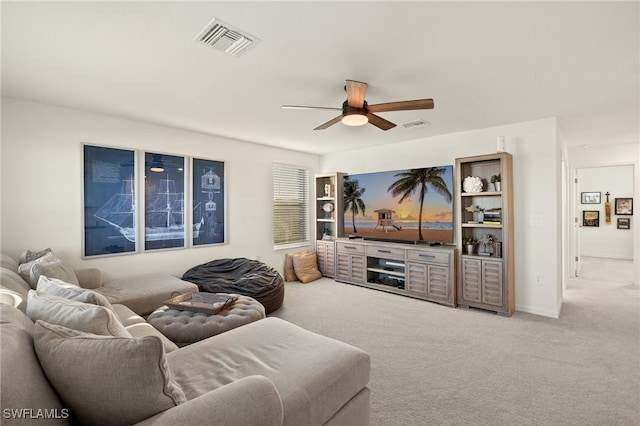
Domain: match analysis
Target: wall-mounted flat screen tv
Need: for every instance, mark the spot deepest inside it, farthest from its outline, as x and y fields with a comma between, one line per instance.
x=412, y=205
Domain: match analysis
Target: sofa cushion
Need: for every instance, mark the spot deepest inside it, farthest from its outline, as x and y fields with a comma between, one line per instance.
x=25, y=268
x=106, y=380
x=60, y=288
x=56, y=269
x=23, y=384
x=146, y=293
x=138, y=327
x=8, y=262
x=89, y=277
x=15, y=287
x=76, y=315
x=306, y=267
x=313, y=384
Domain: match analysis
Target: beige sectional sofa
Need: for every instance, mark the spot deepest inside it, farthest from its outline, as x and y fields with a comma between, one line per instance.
x=112, y=367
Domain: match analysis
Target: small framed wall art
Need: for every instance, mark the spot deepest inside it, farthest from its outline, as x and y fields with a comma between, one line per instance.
x=624, y=206
x=624, y=223
x=590, y=218
x=590, y=197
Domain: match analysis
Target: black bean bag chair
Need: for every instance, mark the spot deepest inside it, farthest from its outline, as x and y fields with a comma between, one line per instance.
x=243, y=276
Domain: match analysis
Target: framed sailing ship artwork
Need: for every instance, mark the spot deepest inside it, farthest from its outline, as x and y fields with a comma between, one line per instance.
x=109, y=201
x=164, y=202
x=208, y=202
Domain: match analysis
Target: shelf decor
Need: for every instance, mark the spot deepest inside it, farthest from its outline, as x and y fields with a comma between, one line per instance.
x=109, y=201
x=472, y=184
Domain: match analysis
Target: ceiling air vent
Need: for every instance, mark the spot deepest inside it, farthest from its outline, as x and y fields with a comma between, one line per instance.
x=416, y=123
x=224, y=37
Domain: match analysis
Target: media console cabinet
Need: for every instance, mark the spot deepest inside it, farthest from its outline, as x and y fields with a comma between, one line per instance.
x=421, y=272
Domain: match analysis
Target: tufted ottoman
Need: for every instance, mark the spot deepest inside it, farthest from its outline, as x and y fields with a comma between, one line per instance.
x=186, y=327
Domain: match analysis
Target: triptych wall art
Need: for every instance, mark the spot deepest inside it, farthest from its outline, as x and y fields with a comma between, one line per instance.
x=116, y=198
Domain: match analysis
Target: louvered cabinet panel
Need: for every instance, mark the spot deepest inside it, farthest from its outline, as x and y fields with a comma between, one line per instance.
x=438, y=282
x=358, y=269
x=350, y=268
x=330, y=262
x=416, y=277
x=492, y=282
x=471, y=280
x=326, y=257
x=343, y=270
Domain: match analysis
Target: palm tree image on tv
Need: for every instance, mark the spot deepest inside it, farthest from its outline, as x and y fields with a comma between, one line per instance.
x=353, y=200
x=420, y=180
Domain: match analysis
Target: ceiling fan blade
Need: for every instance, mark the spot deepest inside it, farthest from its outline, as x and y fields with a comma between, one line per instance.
x=356, y=92
x=308, y=107
x=380, y=122
x=329, y=123
x=402, y=105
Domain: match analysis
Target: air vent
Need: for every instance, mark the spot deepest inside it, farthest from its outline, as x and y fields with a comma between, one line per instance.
x=416, y=123
x=225, y=38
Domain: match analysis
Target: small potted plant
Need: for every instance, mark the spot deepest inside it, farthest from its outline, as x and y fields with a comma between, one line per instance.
x=326, y=233
x=496, y=180
x=469, y=244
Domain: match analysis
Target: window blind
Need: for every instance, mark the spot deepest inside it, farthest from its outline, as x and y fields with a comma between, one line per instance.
x=290, y=205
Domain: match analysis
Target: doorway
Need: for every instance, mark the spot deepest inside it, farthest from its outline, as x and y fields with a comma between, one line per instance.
x=600, y=241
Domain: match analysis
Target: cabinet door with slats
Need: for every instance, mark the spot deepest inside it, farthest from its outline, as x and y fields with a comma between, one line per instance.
x=438, y=282
x=492, y=283
x=417, y=278
x=471, y=279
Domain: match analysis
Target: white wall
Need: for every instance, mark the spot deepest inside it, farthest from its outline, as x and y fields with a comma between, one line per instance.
x=606, y=240
x=41, y=181
x=537, y=192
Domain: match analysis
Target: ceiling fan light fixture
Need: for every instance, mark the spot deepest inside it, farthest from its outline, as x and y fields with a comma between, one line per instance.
x=355, y=119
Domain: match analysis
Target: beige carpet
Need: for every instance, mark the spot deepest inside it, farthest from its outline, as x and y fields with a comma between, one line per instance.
x=433, y=365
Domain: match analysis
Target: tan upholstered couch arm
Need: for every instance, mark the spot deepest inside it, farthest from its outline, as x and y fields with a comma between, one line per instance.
x=90, y=278
x=250, y=401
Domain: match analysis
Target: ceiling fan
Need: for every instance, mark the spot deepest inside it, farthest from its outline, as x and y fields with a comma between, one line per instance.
x=356, y=111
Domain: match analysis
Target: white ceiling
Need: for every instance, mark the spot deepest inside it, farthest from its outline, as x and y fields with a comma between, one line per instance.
x=484, y=63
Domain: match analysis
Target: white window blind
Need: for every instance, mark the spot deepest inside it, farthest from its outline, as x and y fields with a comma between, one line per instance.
x=290, y=205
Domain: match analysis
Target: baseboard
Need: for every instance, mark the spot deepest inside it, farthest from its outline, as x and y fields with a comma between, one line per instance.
x=542, y=312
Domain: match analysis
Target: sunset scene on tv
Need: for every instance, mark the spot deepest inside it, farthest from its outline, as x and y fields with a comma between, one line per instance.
x=413, y=205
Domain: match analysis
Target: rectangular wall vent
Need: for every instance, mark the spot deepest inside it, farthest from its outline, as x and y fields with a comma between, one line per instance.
x=225, y=38
x=416, y=123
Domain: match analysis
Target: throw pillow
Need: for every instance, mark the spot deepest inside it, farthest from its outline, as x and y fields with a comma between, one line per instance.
x=30, y=256
x=56, y=269
x=289, y=271
x=107, y=380
x=25, y=268
x=60, y=288
x=76, y=315
x=306, y=267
